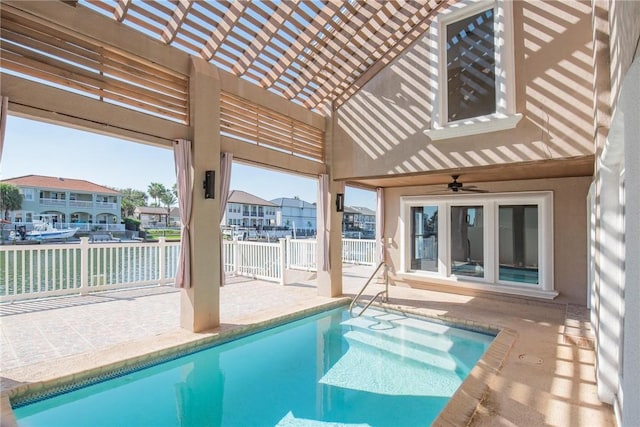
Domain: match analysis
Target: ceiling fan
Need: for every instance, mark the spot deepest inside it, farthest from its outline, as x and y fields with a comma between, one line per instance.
x=456, y=186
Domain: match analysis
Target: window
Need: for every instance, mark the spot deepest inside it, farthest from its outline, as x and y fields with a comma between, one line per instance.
x=473, y=81
x=27, y=193
x=498, y=242
x=471, y=67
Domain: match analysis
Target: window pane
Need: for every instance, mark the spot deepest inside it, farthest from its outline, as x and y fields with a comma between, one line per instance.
x=471, y=79
x=467, y=241
x=518, y=243
x=424, y=238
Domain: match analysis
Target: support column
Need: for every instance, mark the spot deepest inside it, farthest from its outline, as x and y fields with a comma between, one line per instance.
x=200, y=304
x=330, y=282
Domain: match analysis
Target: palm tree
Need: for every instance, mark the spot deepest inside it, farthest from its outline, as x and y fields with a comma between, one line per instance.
x=168, y=199
x=156, y=190
x=10, y=199
x=130, y=199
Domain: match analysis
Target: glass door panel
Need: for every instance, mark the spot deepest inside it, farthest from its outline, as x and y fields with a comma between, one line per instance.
x=424, y=238
x=518, y=243
x=467, y=241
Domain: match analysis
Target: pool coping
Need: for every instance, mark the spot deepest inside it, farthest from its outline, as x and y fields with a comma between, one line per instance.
x=458, y=411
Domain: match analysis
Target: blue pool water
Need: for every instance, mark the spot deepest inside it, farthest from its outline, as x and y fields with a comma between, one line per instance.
x=382, y=369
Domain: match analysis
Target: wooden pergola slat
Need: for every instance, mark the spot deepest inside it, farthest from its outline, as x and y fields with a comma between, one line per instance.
x=177, y=19
x=223, y=29
x=312, y=52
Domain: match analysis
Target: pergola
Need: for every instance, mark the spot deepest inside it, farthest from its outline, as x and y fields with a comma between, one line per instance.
x=258, y=79
x=314, y=53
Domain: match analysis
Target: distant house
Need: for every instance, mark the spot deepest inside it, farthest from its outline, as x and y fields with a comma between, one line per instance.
x=357, y=218
x=247, y=210
x=65, y=200
x=294, y=212
x=174, y=217
x=150, y=216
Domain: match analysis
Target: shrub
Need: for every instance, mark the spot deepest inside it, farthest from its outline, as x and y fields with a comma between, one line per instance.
x=131, y=224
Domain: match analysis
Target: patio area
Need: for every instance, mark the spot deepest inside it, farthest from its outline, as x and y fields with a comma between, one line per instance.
x=547, y=377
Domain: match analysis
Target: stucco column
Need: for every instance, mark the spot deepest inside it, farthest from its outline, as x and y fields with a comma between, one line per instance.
x=330, y=282
x=200, y=304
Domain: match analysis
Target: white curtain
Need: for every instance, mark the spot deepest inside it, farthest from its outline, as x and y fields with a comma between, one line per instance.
x=4, y=107
x=324, y=215
x=183, y=158
x=226, y=161
x=380, y=223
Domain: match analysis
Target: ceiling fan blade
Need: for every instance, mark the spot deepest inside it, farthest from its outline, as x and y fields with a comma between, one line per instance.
x=474, y=190
x=438, y=191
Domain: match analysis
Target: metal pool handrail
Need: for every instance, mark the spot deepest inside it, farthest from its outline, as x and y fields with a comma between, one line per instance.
x=386, y=291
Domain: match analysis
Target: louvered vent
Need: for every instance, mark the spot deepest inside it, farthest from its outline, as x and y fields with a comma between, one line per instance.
x=251, y=123
x=39, y=52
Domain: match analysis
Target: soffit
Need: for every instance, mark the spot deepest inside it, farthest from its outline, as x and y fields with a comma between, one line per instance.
x=557, y=168
x=311, y=52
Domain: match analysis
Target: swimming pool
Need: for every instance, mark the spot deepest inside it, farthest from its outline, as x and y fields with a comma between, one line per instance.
x=382, y=369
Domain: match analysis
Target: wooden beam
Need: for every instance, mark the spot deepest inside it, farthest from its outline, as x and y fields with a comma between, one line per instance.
x=223, y=29
x=121, y=9
x=274, y=23
x=301, y=42
x=175, y=22
x=41, y=102
x=256, y=155
x=97, y=29
x=432, y=8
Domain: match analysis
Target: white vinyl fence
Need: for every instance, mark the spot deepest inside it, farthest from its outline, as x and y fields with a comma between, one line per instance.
x=35, y=271
x=255, y=259
x=301, y=254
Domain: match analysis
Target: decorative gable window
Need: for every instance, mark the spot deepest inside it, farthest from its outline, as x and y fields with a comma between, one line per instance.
x=471, y=67
x=472, y=58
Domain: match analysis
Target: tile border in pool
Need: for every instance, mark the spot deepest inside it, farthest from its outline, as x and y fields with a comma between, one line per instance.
x=24, y=394
x=458, y=410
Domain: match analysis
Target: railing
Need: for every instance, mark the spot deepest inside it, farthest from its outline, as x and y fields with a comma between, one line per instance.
x=77, y=204
x=80, y=203
x=359, y=251
x=107, y=205
x=255, y=259
x=385, y=292
x=53, y=202
x=301, y=254
x=34, y=271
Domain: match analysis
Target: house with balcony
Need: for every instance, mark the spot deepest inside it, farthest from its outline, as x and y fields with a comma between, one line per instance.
x=502, y=138
x=359, y=221
x=65, y=201
x=296, y=213
x=246, y=210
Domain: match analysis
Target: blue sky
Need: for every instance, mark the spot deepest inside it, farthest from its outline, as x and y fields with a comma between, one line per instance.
x=32, y=147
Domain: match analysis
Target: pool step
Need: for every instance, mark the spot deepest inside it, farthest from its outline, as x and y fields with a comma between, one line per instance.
x=401, y=338
x=414, y=331
x=419, y=354
x=441, y=341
